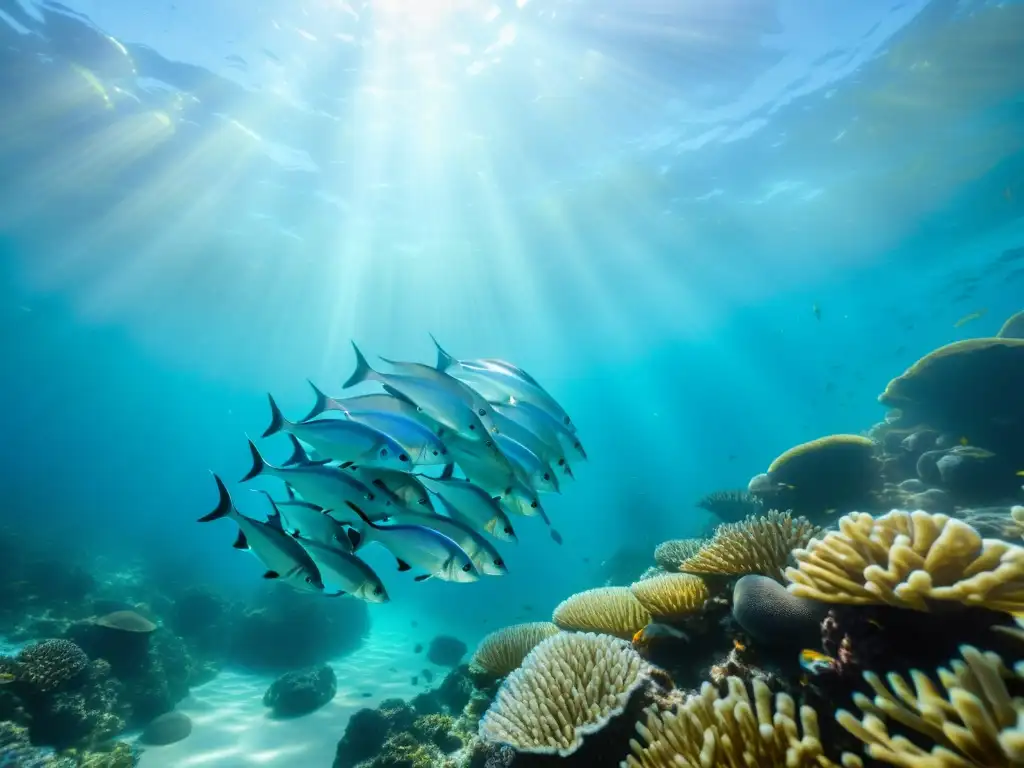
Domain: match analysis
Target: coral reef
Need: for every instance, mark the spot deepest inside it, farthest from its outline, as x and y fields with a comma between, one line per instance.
x=731, y=506
x=298, y=693
x=608, y=610
x=772, y=615
x=446, y=651
x=672, y=595
x=670, y=554
x=503, y=651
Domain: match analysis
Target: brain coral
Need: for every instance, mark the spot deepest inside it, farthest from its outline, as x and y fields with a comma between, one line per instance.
x=908, y=559
x=756, y=545
x=608, y=610
x=50, y=664
x=670, y=554
x=671, y=595
x=1013, y=328
x=773, y=616
x=973, y=722
x=711, y=731
x=569, y=686
x=503, y=651
x=730, y=506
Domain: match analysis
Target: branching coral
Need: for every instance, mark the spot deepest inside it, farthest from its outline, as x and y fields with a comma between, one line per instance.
x=569, y=686
x=730, y=506
x=908, y=559
x=670, y=554
x=757, y=545
x=50, y=664
x=973, y=722
x=708, y=730
x=672, y=595
x=504, y=650
x=609, y=610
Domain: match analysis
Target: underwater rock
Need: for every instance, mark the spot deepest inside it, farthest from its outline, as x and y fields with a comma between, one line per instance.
x=437, y=729
x=976, y=475
x=168, y=728
x=927, y=467
x=369, y=729
x=773, y=616
x=731, y=506
x=298, y=693
x=446, y=651
x=201, y=619
x=1013, y=328
x=932, y=500
x=913, y=485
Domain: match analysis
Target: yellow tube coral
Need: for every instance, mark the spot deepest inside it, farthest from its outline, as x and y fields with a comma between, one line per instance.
x=503, y=651
x=669, y=554
x=671, y=595
x=908, y=559
x=972, y=719
x=608, y=610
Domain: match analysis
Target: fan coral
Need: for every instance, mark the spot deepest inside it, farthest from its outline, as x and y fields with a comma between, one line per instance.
x=609, y=610
x=709, y=731
x=504, y=650
x=50, y=664
x=730, y=506
x=569, y=686
x=1013, y=328
x=773, y=616
x=974, y=723
x=906, y=559
x=670, y=554
x=757, y=545
x=672, y=595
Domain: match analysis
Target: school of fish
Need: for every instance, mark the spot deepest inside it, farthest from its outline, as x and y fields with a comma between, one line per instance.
x=434, y=468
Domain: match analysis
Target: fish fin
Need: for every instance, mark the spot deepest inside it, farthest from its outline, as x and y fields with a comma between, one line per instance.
x=398, y=395
x=259, y=465
x=444, y=360
x=354, y=537
x=271, y=575
x=277, y=419
x=241, y=542
x=363, y=371
x=274, y=518
x=362, y=515
x=224, y=505
x=448, y=472
x=291, y=491
x=299, y=455
x=321, y=402
x=422, y=577
x=402, y=565
x=388, y=360
x=339, y=593
x=348, y=464
x=556, y=536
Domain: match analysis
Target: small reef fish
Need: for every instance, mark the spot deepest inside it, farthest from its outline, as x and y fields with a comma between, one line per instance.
x=462, y=500
x=658, y=631
x=342, y=439
x=424, y=548
x=970, y=318
x=308, y=521
x=346, y=571
x=445, y=404
x=815, y=662
x=817, y=311
x=284, y=558
x=7, y=678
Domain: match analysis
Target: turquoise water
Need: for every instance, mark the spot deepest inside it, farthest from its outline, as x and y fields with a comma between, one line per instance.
x=645, y=208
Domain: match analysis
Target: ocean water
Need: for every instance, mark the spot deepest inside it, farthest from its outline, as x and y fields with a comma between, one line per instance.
x=712, y=231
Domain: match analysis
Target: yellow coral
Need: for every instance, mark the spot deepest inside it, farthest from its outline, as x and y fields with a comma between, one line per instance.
x=569, y=686
x=669, y=554
x=908, y=559
x=671, y=595
x=504, y=650
x=973, y=722
x=791, y=465
x=609, y=610
x=711, y=731
x=756, y=545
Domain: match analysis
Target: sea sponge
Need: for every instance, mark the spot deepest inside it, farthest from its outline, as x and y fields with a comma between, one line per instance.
x=503, y=651
x=127, y=621
x=608, y=610
x=672, y=595
x=908, y=559
x=731, y=506
x=708, y=730
x=756, y=545
x=569, y=686
x=669, y=554
x=1013, y=328
x=772, y=615
x=51, y=664
x=974, y=722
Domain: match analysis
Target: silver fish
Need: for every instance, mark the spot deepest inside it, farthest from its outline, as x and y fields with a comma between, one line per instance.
x=443, y=401
x=423, y=446
x=375, y=402
x=539, y=421
x=551, y=451
x=282, y=556
x=423, y=548
x=500, y=381
x=342, y=439
x=346, y=571
x=481, y=552
x=463, y=500
x=327, y=487
x=537, y=472
x=408, y=490
x=301, y=518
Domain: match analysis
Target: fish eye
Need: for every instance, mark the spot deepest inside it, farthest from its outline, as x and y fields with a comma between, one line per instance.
x=424, y=500
x=534, y=505
x=472, y=426
x=378, y=591
x=508, y=529
x=383, y=452
x=434, y=452
x=403, y=457
x=467, y=568
x=561, y=462
x=547, y=475
x=499, y=562
x=309, y=579
x=489, y=444
x=481, y=411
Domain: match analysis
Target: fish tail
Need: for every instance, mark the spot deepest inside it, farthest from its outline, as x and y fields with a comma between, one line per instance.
x=224, y=505
x=363, y=371
x=556, y=536
x=444, y=360
x=259, y=464
x=320, y=405
x=277, y=419
x=299, y=455
x=449, y=470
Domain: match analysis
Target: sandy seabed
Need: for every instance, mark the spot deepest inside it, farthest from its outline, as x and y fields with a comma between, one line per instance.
x=232, y=729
